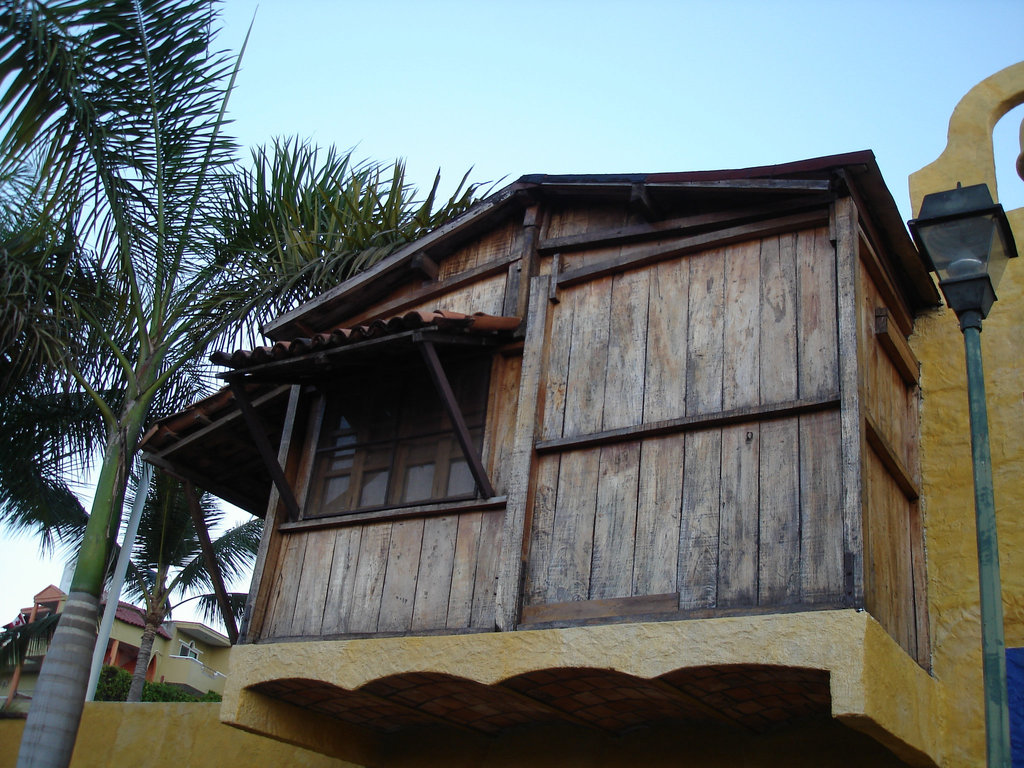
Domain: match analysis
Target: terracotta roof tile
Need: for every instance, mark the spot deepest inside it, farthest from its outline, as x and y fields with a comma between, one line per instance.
x=479, y=323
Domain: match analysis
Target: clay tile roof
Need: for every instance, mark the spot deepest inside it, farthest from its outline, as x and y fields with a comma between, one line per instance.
x=130, y=614
x=441, y=319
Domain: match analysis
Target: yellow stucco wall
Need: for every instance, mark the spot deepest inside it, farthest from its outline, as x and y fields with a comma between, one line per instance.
x=945, y=440
x=166, y=736
x=865, y=665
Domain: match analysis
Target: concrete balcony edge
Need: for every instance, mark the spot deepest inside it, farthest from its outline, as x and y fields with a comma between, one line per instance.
x=876, y=687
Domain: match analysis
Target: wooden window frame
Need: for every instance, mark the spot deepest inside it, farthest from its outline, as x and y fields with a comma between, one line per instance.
x=456, y=441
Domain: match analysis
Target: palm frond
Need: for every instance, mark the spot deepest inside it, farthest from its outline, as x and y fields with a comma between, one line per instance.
x=15, y=642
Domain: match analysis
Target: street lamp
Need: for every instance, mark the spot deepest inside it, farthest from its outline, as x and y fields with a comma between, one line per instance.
x=966, y=240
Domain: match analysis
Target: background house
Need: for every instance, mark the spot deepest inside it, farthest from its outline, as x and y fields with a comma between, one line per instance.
x=185, y=653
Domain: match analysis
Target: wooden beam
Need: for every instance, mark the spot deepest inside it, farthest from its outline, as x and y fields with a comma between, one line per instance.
x=451, y=406
x=845, y=236
x=678, y=226
x=266, y=555
x=592, y=609
x=649, y=254
x=896, y=347
x=529, y=415
x=212, y=566
x=890, y=459
x=689, y=424
x=339, y=520
x=270, y=461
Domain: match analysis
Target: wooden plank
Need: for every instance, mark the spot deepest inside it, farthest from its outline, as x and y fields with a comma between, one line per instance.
x=705, y=333
x=282, y=613
x=434, y=579
x=689, y=424
x=268, y=554
x=606, y=608
x=467, y=546
x=584, y=393
x=920, y=584
x=529, y=418
x=656, y=553
x=341, y=589
x=542, y=529
x=778, y=582
x=502, y=404
x=816, y=327
x=666, y=350
x=699, y=525
x=853, y=448
x=611, y=571
x=572, y=537
x=741, y=364
x=557, y=344
x=738, y=523
x=821, y=522
x=626, y=350
x=368, y=587
x=398, y=598
x=778, y=328
x=314, y=580
x=484, y=589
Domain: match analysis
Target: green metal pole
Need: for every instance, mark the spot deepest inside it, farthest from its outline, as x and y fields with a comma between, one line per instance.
x=997, y=714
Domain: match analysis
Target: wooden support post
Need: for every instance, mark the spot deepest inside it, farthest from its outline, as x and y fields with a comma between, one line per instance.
x=266, y=555
x=528, y=260
x=444, y=389
x=853, y=442
x=528, y=416
x=212, y=566
x=271, y=462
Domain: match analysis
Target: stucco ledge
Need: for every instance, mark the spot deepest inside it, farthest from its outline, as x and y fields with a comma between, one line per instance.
x=865, y=665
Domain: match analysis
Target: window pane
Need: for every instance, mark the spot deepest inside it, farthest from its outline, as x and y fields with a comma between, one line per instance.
x=460, y=479
x=375, y=488
x=336, y=491
x=419, y=482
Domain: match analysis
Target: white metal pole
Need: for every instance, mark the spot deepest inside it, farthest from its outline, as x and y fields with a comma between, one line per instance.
x=117, y=581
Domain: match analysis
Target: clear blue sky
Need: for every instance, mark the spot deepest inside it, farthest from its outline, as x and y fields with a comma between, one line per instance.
x=567, y=86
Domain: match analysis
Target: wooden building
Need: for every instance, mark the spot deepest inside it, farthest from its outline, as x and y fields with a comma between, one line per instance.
x=591, y=404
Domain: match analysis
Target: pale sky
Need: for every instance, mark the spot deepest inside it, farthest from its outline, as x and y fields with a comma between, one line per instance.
x=566, y=86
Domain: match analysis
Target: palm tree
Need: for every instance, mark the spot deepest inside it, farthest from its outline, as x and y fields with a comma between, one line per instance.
x=167, y=562
x=121, y=104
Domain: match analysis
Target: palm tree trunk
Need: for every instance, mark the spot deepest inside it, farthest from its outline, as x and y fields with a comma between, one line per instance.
x=142, y=662
x=56, y=710
x=52, y=725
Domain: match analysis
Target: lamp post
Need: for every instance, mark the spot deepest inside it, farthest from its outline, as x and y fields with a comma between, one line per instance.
x=966, y=240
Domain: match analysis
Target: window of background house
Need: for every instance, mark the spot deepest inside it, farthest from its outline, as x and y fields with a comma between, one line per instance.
x=188, y=650
x=386, y=440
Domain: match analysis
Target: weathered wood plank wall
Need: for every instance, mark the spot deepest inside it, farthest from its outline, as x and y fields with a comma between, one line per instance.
x=893, y=537
x=687, y=455
x=744, y=515
x=406, y=575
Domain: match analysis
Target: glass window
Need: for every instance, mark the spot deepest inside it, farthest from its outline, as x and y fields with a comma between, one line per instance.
x=386, y=440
